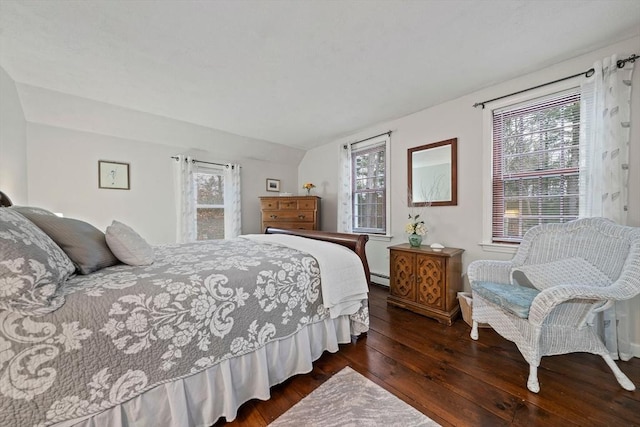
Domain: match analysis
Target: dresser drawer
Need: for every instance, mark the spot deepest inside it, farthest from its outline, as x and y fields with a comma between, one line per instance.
x=307, y=204
x=288, y=216
x=288, y=204
x=269, y=204
x=289, y=225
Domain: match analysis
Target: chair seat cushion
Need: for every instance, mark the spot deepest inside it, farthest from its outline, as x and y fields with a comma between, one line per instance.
x=568, y=271
x=513, y=298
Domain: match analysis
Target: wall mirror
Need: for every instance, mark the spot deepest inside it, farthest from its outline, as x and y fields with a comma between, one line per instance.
x=433, y=174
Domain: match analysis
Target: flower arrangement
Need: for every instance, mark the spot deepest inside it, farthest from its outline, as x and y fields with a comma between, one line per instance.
x=308, y=186
x=416, y=226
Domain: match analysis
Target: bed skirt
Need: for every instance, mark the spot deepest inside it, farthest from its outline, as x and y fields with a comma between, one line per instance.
x=202, y=398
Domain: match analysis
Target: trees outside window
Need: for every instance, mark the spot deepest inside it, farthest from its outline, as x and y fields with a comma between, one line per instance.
x=535, y=174
x=369, y=190
x=209, y=204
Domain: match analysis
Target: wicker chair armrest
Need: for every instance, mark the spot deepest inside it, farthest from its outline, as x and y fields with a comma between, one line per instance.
x=549, y=298
x=490, y=271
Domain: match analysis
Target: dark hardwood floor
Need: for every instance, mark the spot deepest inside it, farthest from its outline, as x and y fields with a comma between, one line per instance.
x=456, y=381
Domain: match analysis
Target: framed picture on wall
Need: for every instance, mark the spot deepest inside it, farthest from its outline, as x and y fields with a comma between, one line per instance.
x=273, y=184
x=113, y=175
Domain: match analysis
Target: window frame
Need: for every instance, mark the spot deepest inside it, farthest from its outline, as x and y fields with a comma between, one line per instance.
x=487, y=158
x=208, y=170
x=370, y=145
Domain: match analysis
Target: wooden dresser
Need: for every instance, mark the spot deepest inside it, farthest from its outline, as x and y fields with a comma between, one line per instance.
x=425, y=281
x=299, y=212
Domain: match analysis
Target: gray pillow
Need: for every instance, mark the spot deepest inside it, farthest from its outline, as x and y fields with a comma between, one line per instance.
x=32, y=267
x=127, y=245
x=81, y=241
x=26, y=210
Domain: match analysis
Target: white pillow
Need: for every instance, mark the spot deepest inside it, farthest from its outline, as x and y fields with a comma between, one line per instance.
x=568, y=271
x=127, y=245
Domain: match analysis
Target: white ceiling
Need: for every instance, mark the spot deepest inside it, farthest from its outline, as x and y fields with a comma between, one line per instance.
x=299, y=73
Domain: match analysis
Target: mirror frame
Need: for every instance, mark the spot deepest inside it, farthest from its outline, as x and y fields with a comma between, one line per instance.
x=454, y=173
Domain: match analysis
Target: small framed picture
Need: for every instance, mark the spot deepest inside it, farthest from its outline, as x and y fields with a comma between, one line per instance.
x=273, y=184
x=113, y=175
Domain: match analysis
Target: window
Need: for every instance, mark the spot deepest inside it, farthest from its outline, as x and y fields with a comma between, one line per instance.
x=369, y=165
x=535, y=159
x=209, y=184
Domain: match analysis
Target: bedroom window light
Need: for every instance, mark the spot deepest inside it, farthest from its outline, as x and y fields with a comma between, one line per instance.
x=369, y=166
x=534, y=177
x=209, y=184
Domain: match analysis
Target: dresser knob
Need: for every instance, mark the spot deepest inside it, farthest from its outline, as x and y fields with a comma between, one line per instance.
x=274, y=216
x=301, y=216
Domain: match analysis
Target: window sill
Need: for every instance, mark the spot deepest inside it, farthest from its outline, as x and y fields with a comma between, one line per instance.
x=499, y=248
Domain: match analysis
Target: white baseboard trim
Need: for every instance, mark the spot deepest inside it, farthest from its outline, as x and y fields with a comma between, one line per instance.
x=635, y=349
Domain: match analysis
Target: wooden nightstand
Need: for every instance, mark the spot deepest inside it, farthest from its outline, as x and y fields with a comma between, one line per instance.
x=425, y=281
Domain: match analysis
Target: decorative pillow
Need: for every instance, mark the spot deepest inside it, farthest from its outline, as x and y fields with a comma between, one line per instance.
x=81, y=241
x=32, y=267
x=568, y=271
x=127, y=245
x=26, y=210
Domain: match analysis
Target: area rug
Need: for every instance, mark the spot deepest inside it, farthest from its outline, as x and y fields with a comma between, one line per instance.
x=349, y=399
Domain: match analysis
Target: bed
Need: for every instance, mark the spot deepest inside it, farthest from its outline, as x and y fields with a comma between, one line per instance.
x=181, y=341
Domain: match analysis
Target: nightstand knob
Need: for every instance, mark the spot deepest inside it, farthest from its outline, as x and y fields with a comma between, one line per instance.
x=301, y=216
x=274, y=216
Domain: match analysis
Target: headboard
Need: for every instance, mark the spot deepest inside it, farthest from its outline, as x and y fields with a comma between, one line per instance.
x=5, y=201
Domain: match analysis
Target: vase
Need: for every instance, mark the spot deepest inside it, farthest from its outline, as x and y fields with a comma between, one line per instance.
x=308, y=191
x=415, y=240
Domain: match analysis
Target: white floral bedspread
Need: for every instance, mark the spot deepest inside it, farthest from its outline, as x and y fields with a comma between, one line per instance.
x=123, y=330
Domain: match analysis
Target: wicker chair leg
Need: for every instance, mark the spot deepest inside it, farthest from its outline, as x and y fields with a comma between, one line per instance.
x=624, y=381
x=474, y=331
x=532, y=383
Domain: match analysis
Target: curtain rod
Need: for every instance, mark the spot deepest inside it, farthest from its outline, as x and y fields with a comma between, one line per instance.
x=621, y=63
x=366, y=139
x=200, y=161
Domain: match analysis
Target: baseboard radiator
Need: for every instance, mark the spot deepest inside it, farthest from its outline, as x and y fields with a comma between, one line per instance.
x=379, y=278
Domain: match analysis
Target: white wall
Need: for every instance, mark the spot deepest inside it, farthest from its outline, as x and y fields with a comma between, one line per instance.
x=322, y=169
x=67, y=135
x=13, y=152
x=63, y=178
x=459, y=226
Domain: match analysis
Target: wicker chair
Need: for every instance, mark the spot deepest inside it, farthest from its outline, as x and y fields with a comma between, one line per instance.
x=545, y=298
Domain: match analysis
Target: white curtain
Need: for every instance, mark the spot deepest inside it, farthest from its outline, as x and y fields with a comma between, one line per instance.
x=232, y=202
x=604, y=170
x=184, y=189
x=345, y=207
